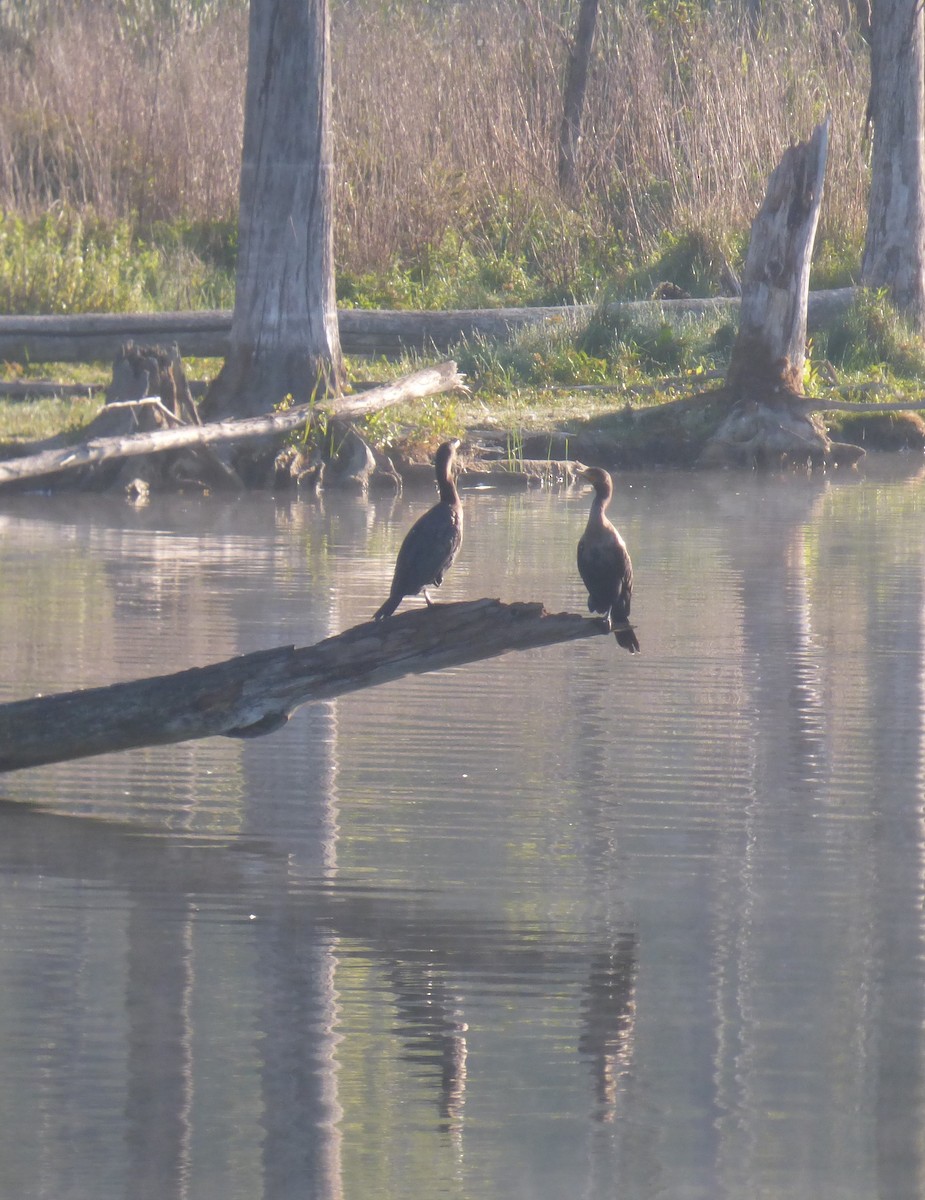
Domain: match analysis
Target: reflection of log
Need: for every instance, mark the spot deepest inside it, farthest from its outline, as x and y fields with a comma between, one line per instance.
x=256, y=693
x=97, y=337
x=428, y=382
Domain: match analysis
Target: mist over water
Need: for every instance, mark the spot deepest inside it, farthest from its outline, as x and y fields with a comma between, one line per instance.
x=569, y=922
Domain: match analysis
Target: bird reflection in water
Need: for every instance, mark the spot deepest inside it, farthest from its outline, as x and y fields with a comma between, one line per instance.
x=434, y=1033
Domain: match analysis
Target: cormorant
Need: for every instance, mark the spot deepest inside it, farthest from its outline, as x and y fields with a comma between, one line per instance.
x=432, y=542
x=604, y=562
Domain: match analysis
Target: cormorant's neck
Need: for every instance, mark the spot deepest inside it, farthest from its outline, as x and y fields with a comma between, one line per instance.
x=599, y=506
x=447, y=489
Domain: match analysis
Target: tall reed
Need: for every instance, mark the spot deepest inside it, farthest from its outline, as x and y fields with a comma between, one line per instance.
x=446, y=122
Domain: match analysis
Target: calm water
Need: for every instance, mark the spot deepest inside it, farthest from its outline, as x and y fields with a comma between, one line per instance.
x=563, y=924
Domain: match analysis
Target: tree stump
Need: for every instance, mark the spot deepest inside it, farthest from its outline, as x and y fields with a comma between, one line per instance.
x=142, y=373
x=768, y=420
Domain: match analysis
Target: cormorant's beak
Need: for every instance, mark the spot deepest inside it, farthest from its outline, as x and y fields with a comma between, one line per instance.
x=578, y=468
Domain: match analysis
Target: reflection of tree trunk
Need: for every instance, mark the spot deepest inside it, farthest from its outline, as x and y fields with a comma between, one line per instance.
x=160, y=1069
x=793, y=978
x=296, y=814
x=301, y=1147
x=897, y=672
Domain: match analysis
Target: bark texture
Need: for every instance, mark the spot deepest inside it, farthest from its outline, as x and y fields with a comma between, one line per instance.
x=284, y=331
x=894, y=248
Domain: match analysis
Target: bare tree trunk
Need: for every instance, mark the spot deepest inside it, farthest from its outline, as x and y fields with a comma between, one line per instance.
x=284, y=332
x=894, y=249
x=576, y=83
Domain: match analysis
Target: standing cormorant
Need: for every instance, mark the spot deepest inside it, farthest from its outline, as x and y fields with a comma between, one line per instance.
x=432, y=542
x=604, y=561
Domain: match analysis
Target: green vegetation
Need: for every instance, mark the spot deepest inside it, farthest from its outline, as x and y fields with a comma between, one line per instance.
x=119, y=158
x=129, y=116
x=32, y=420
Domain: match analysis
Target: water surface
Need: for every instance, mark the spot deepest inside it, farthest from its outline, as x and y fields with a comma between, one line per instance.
x=564, y=923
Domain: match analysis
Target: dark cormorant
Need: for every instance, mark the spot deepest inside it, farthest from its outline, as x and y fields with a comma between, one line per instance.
x=432, y=542
x=604, y=562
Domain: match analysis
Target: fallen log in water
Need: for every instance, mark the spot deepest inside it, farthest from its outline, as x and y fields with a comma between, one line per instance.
x=257, y=693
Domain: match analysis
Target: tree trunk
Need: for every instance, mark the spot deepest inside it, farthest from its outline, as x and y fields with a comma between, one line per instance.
x=284, y=331
x=256, y=693
x=576, y=83
x=768, y=422
x=894, y=249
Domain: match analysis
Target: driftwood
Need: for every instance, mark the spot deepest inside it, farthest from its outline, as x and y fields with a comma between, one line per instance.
x=257, y=693
x=428, y=382
x=98, y=337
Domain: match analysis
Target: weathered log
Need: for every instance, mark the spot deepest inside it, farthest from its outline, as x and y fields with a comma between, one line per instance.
x=34, y=389
x=97, y=337
x=428, y=382
x=257, y=693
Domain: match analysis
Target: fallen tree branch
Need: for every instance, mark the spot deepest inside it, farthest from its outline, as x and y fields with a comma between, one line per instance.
x=257, y=693
x=154, y=402
x=428, y=382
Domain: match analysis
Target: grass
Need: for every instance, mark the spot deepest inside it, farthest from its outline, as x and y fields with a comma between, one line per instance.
x=33, y=420
x=446, y=122
x=564, y=378
x=120, y=145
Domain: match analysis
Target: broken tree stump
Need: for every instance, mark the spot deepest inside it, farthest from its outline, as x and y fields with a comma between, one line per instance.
x=768, y=422
x=257, y=693
x=144, y=371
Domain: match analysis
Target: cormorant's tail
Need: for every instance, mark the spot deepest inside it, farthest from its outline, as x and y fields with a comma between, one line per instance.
x=388, y=608
x=627, y=639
